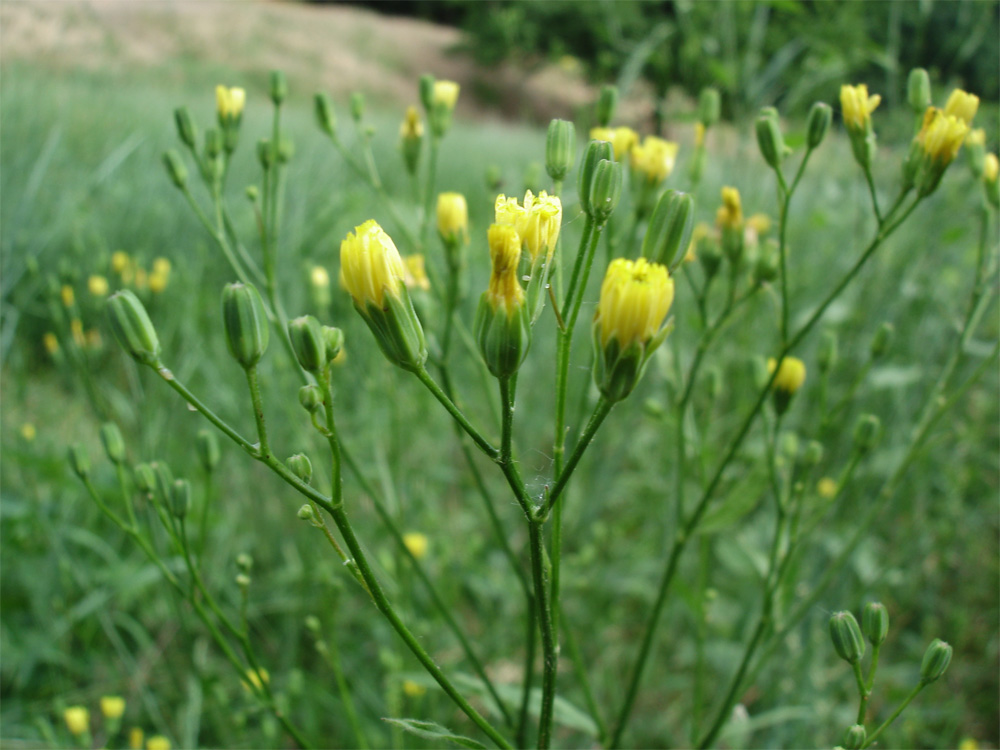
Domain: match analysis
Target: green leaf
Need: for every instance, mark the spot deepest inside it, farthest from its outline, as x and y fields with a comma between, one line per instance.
x=432, y=731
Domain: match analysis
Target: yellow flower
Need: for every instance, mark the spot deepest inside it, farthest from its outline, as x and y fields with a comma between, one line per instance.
x=791, y=374
x=319, y=277
x=141, y=278
x=135, y=737
x=414, y=272
x=445, y=94
x=453, y=217
x=602, y=134
x=112, y=706
x=28, y=432
x=97, y=285
x=416, y=543
x=537, y=222
x=962, y=105
x=857, y=106
x=623, y=141
x=77, y=720
x=158, y=282
x=161, y=265
x=699, y=134
x=50, y=342
x=158, y=742
x=760, y=223
x=412, y=128
x=655, y=158
x=730, y=213
x=255, y=679
x=76, y=328
x=67, y=295
x=412, y=689
x=635, y=298
x=370, y=265
x=941, y=135
x=505, y=253
x=827, y=487
x=229, y=102
x=968, y=744
x=119, y=261
x=976, y=137
x=991, y=168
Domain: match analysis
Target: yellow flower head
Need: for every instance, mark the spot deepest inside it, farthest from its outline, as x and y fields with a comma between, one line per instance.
x=505, y=253
x=826, y=487
x=730, y=213
x=445, y=94
x=412, y=689
x=962, y=105
x=158, y=281
x=760, y=223
x=229, y=102
x=28, y=432
x=991, y=168
x=416, y=543
x=135, y=737
x=370, y=266
x=119, y=261
x=415, y=272
x=941, y=135
x=453, y=217
x=161, y=265
x=112, y=706
x=66, y=293
x=50, y=342
x=699, y=134
x=857, y=106
x=537, y=222
x=623, y=141
x=158, y=742
x=635, y=298
x=77, y=720
x=76, y=328
x=791, y=374
x=976, y=137
x=257, y=678
x=412, y=128
x=655, y=158
x=602, y=134
x=97, y=285
x=319, y=277
x=969, y=743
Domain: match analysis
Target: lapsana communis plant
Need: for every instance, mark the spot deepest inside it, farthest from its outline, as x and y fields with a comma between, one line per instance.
x=536, y=260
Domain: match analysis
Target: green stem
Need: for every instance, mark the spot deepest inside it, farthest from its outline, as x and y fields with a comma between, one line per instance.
x=863, y=693
x=521, y=737
x=477, y=437
x=873, y=193
x=258, y=412
x=549, y=652
x=425, y=220
x=906, y=702
x=601, y=411
x=333, y=659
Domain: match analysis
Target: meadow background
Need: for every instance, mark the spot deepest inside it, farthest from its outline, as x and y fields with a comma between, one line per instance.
x=87, y=92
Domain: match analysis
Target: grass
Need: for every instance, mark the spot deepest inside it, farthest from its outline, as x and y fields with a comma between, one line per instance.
x=85, y=614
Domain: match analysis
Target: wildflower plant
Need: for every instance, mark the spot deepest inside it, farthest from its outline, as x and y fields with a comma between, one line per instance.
x=538, y=286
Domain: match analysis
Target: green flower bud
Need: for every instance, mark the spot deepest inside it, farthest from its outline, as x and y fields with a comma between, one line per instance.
x=855, y=737
x=114, y=444
x=709, y=107
x=164, y=480
x=975, y=154
x=213, y=143
x=670, y=226
x=311, y=398
x=866, y=432
x=175, y=168
x=79, y=461
x=313, y=624
x=605, y=190
x=145, y=479
x=826, y=357
x=308, y=342
x=252, y=192
x=334, y=339
x=247, y=329
x=305, y=513
x=265, y=153
x=560, y=148
x=180, y=498
x=244, y=562
x=596, y=152
x=427, y=91
x=357, y=106
x=243, y=581
x=882, y=340
x=875, y=622
x=790, y=445
x=286, y=150
x=813, y=454
x=820, y=117
x=186, y=129
x=279, y=87
x=607, y=103
x=300, y=466
x=846, y=637
x=709, y=255
x=326, y=116
x=504, y=339
x=936, y=661
x=918, y=90
x=208, y=449
x=769, y=138
x=765, y=268
x=132, y=328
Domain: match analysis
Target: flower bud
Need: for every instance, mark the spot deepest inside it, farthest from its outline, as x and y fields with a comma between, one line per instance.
x=208, y=449
x=918, y=90
x=936, y=661
x=882, y=340
x=265, y=153
x=605, y=190
x=452, y=220
x=300, y=466
x=854, y=738
x=975, y=151
x=357, y=105
x=132, y=328
x=444, y=96
x=846, y=637
x=866, y=432
x=769, y=138
x=145, y=479
x=79, y=461
x=596, y=152
x=247, y=329
x=305, y=513
x=114, y=444
x=308, y=343
x=77, y=720
x=164, y=480
x=334, y=340
x=213, y=143
x=186, y=129
x=560, y=149
x=607, y=103
x=112, y=707
x=427, y=91
x=826, y=356
x=709, y=107
x=180, y=498
x=502, y=326
x=175, y=168
x=311, y=398
x=813, y=454
x=670, y=226
x=991, y=184
x=765, y=269
x=244, y=561
x=279, y=87
x=709, y=255
x=820, y=116
x=791, y=375
x=326, y=116
x=875, y=622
